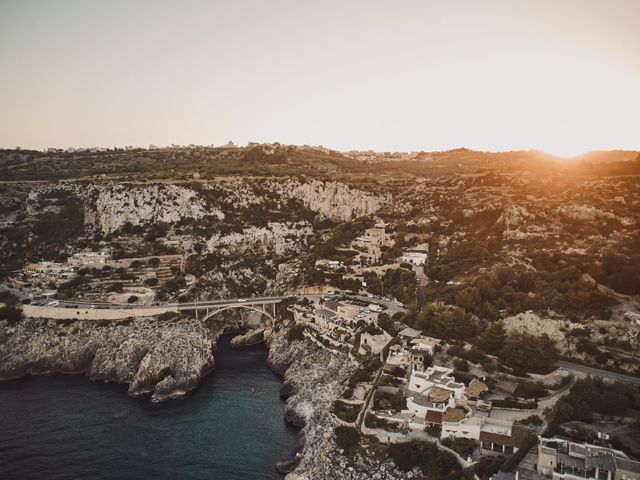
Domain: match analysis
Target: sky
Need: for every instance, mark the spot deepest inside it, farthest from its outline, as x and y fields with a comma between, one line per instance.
x=562, y=76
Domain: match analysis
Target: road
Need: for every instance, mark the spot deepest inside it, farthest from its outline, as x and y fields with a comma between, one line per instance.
x=596, y=372
x=179, y=306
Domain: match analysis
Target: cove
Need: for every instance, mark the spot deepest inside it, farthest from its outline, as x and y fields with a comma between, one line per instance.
x=70, y=427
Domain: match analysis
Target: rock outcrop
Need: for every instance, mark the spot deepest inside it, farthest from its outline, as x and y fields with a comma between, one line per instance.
x=252, y=337
x=163, y=358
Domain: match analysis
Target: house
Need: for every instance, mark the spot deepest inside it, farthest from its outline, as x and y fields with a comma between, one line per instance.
x=324, y=316
x=465, y=427
x=332, y=305
x=89, y=259
x=375, y=235
x=508, y=386
x=475, y=390
x=501, y=437
x=421, y=348
x=373, y=343
x=330, y=264
x=49, y=271
x=344, y=311
x=398, y=361
x=432, y=392
x=347, y=312
x=31, y=268
x=423, y=343
x=497, y=437
x=408, y=334
x=372, y=240
x=415, y=257
x=559, y=459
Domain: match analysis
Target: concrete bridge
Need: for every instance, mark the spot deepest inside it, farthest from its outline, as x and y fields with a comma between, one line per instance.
x=108, y=311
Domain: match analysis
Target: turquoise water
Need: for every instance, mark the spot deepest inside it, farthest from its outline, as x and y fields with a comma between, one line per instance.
x=70, y=428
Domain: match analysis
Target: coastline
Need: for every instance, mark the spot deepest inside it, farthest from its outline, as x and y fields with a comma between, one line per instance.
x=166, y=368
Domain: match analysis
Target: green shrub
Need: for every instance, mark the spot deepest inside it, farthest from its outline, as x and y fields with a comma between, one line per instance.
x=462, y=446
x=434, y=430
x=463, y=377
x=346, y=412
x=433, y=463
x=531, y=390
x=532, y=420
x=461, y=365
x=487, y=467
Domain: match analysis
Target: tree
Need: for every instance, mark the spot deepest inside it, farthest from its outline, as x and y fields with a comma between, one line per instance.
x=446, y=322
x=469, y=299
x=386, y=323
x=529, y=353
x=132, y=299
x=492, y=338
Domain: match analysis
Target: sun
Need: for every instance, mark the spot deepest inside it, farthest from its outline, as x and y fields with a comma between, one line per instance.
x=566, y=152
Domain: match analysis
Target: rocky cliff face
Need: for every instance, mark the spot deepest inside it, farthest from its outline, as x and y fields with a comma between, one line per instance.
x=334, y=200
x=108, y=206
x=281, y=238
x=164, y=358
x=312, y=381
x=116, y=205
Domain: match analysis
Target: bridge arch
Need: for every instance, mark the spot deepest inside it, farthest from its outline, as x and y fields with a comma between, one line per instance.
x=229, y=307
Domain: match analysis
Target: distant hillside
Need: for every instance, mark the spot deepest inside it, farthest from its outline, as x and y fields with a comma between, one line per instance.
x=275, y=159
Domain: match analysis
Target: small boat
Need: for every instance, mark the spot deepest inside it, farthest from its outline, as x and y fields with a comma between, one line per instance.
x=253, y=390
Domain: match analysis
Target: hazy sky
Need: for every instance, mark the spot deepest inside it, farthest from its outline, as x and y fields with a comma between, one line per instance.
x=560, y=75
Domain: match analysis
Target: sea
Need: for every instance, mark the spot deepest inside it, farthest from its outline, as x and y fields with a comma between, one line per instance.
x=68, y=427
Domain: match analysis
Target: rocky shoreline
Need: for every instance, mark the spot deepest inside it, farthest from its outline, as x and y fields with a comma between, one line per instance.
x=167, y=359
x=163, y=358
x=312, y=379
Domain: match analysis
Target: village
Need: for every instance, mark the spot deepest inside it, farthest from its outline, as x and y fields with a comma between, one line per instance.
x=413, y=386
x=410, y=388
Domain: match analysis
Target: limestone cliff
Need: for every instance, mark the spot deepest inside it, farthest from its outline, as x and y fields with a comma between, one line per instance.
x=164, y=358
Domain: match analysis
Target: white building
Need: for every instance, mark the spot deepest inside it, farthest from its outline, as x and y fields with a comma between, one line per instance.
x=89, y=259
x=432, y=392
x=49, y=271
x=563, y=459
x=415, y=257
x=330, y=264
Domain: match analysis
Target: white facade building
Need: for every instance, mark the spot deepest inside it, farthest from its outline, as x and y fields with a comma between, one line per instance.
x=415, y=257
